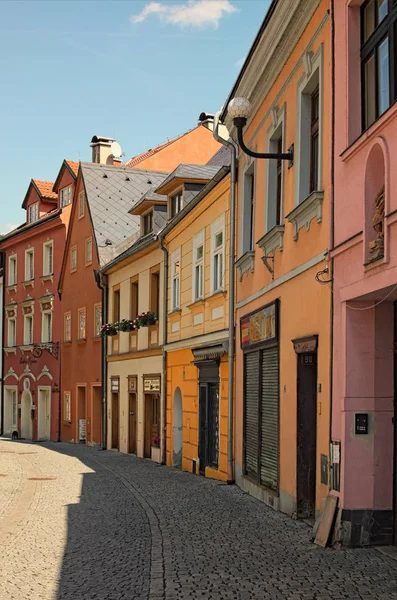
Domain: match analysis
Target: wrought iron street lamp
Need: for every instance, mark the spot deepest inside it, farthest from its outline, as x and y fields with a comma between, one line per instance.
x=239, y=109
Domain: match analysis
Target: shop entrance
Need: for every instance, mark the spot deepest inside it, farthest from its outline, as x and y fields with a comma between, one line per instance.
x=208, y=415
x=115, y=420
x=44, y=414
x=152, y=422
x=132, y=423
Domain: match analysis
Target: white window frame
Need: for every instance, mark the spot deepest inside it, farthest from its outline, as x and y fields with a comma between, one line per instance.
x=175, y=280
x=33, y=212
x=275, y=131
x=178, y=194
x=11, y=340
x=29, y=275
x=11, y=271
x=97, y=326
x=79, y=330
x=27, y=331
x=217, y=227
x=73, y=250
x=65, y=196
x=247, y=243
x=313, y=76
x=198, y=267
x=67, y=338
x=44, y=328
x=88, y=254
x=46, y=266
x=67, y=406
x=11, y=397
x=81, y=204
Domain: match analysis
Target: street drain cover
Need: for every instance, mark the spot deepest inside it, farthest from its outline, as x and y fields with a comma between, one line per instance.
x=41, y=478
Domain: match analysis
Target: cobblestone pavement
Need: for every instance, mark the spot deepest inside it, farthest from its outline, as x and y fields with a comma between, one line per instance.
x=109, y=526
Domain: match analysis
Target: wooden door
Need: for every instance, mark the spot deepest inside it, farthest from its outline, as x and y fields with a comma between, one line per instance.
x=132, y=423
x=115, y=420
x=96, y=429
x=306, y=435
x=152, y=422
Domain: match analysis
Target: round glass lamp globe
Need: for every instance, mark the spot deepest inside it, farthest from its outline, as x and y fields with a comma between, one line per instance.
x=239, y=107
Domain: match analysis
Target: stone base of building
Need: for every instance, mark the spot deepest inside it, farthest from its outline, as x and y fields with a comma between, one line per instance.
x=280, y=501
x=355, y=527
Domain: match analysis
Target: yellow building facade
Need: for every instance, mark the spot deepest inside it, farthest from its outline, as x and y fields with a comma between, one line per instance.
x=197, y=243
x=283, y=294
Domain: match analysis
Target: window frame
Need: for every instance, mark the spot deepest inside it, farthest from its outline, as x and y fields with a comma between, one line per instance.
x=116, y=303
x=46, y=245
x=12, y=259
x=217, y=227
x=198, y=266
x=88, y=256
x=387, y=28
x=176, y=280
x=66, y=337
x=81, y=204
x=29, y=252
x=73, y=249
x=27, y=341
x=178, y=195
x=155, y=290
x=81, y=311
x=69, y=196
x=134, y=285
x=67, y=412
x=33, y=215
x=275, y=171
x=147, y=216
x=14, y=340
x=314, y=135
x=44, y=315
x=97, y=329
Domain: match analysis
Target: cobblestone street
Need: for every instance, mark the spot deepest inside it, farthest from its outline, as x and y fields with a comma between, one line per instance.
x=110, y=526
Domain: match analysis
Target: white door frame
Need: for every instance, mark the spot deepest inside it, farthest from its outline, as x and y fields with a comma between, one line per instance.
x=26, y=419
x=9, y=426
x=44, y=420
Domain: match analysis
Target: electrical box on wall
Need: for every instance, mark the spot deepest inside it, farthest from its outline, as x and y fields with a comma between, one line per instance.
x=361, y=423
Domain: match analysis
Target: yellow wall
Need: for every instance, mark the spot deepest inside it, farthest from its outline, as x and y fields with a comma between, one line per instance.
x=180, y=370
x=304, y=303
x=126, y=362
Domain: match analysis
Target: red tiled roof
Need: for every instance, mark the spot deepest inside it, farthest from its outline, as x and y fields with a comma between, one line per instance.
x=45, y=189
x=141, y=157
x=74, y=165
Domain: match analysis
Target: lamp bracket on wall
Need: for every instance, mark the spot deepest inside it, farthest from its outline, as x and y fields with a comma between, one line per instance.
x=240, y=123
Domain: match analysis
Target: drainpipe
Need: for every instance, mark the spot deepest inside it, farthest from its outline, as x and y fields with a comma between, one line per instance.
x=3, y=268
x=332, y=213
x=60, y=351
x=102, y=282
x=165, y=336
x=231, y=346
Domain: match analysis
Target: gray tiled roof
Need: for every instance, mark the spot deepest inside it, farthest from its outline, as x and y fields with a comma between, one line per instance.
x=151, y=195
x=183, y=171
x=111, y=192
x=222, y=158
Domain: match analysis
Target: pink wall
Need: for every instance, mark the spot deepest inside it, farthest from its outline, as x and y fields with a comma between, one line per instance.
x=363, y=339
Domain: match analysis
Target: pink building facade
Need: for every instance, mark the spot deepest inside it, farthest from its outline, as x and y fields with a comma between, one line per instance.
x=365, y=271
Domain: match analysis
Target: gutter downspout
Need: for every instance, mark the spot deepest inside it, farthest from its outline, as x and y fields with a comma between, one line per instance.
x=231, y=345
x=165, y=337
x=332, y=216
x=103, y=285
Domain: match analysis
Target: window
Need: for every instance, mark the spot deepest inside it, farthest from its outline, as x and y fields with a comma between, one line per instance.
x=73, y=258
x=134, y=298
x=116, y=305
x=314, y=140
x=46, y=333
x=175, y=275
x=12, y=332
x=33, y=212
x=198, y=266
x=48, y=258
x=155, y=292
x=28, y=330
x=148, y=223
x=88, y=252
x=248, y=209
x=98, y=319
x=81, y=324
x=29, y=264
x=176, y=203
x=275, y=174
x=14, y=404
x=66, y=195
x=12, y=270
x=378, y=57
x=217, y=254
x=68, y=327
x=81, y=204
x=67, y=407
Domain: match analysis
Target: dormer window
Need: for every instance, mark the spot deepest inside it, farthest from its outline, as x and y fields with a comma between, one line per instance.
x=176, y=203
x=33, y=212
x=66, y=195
x=147, y=223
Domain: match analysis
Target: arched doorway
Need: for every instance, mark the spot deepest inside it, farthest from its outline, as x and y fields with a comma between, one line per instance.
x=26, y=415
x=177, y=430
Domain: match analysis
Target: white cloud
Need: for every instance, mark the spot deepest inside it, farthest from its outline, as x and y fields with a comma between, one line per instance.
x=240, y=62
x=6, y=228
x=194, y=13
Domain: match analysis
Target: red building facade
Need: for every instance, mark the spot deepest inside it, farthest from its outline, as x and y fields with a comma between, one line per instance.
x=33, y=256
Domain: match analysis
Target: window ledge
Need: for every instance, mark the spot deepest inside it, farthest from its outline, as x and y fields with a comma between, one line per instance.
x=49, y=277
x=11, y=288
x=372, y=264
x=27, y=347
x=310, y=208
x=246, y=263
x=271, y=240
x=81, y=340
x=28, y=283
x=199, y=303
x=67, y=343
x=217, y=293
x=97, y=338
x=10, y=350
x=176, y=311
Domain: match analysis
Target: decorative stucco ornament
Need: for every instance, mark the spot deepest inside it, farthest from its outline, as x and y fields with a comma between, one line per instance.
x=377, y=246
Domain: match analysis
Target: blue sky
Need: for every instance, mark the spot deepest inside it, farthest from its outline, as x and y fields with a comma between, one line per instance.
x=137, y=71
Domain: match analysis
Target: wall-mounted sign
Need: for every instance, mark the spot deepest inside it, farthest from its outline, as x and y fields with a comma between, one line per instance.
x=361, y=423
x=114, y=384
x=152, y=384
x=132, y=384
x=260, y=326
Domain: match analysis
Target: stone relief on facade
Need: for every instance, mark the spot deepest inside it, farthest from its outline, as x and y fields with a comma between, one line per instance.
x=377, y=246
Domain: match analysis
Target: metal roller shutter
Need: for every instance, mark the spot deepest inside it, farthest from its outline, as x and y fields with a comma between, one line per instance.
x=270, y=418
x=251, y=412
